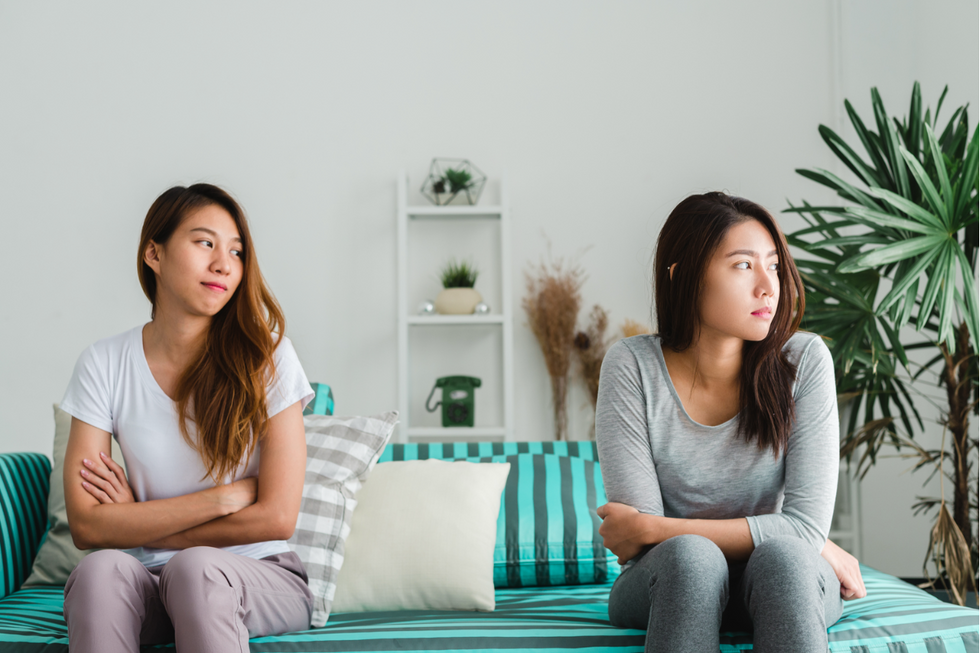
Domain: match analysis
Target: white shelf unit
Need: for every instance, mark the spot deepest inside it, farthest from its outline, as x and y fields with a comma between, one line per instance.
x=845, y=529
x=408, y=321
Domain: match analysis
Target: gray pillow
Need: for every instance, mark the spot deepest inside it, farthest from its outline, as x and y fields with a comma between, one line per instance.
x=340, y=453
x=58, y=556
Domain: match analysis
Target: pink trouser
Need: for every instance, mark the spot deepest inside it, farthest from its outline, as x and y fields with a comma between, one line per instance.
x=204, y=599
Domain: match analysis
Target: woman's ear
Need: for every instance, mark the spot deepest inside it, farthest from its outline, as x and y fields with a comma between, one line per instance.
x=670, y=271
x=152, y=256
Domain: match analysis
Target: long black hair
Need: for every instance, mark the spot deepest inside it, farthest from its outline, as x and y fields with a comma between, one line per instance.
x=693, y=231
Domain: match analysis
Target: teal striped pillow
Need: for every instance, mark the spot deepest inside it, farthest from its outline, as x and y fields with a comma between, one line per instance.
x=547, y=530
x=466, y=450
x=322, y=403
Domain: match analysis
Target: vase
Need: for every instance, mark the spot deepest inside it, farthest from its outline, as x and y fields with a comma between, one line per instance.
x=457, y=301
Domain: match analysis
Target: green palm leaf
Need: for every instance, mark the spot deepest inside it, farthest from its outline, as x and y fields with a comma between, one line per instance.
x=892, y=253
x=917, y=199
x=928, y=189
x=923, y=226
x=907, y=207
x=901, y=285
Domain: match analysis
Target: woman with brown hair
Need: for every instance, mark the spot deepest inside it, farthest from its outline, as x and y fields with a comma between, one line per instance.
x=205, y=402
x=718, y=438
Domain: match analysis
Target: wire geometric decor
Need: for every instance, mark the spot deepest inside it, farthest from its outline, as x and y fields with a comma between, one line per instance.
x=451, y=178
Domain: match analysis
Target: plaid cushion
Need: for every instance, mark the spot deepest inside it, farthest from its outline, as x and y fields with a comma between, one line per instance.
x=547, y=529
x=340, y=452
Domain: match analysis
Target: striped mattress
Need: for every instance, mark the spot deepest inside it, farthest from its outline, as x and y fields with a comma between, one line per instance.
x=894, y=618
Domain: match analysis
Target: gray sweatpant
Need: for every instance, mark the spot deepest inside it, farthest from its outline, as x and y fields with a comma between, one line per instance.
x=683, y=592
x=204, y=599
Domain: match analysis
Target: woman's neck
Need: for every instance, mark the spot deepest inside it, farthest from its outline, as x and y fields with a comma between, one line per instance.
x=174, y=340
x=713, y=361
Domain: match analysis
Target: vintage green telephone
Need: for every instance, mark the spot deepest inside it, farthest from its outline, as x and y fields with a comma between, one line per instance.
x=457, y=399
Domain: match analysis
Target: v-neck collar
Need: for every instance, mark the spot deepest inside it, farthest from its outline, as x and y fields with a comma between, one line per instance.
x=658, y=349
x=139, y=354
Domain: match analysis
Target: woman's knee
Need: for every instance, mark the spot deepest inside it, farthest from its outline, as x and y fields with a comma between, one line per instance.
x=106, y=568
x=783, y=558
x=191, y=566
x=103, y=567
x=690, y=554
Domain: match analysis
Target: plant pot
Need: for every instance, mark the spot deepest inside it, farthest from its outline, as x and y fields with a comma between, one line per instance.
x=457, y=301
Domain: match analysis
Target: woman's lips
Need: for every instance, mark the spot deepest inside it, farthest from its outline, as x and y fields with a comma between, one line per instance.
x=215, y=287
x=765, y=313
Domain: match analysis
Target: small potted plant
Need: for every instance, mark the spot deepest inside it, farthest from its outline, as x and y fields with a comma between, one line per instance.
x=450, y=179
x=458, y=297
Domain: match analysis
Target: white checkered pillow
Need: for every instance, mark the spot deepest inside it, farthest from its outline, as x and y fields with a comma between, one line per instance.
x=340, y=453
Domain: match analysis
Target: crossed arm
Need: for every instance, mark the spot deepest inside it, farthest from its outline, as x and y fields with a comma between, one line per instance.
x=626, y=532
x=102, y=512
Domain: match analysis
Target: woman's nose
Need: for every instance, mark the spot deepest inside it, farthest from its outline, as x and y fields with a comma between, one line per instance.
x=221, y=263
x=768, y=284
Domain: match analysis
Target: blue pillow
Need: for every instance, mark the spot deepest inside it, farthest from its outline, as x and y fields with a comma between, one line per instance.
x=547, y=530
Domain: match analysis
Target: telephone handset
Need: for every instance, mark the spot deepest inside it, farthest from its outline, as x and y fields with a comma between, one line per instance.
x=457, y=399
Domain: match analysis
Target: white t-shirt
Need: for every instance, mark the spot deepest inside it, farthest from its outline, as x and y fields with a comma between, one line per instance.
x=113, y=389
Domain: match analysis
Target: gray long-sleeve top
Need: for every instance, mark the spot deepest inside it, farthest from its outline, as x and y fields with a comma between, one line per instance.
x=658, y=460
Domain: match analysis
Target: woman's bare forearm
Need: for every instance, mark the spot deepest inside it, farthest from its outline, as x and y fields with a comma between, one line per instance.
x=259, y=522
x=128, y=525
x=732, y=536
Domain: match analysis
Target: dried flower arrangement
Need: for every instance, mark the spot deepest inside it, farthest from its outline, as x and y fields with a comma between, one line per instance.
x=552, y=304
x=591, y=346
x=632, y=328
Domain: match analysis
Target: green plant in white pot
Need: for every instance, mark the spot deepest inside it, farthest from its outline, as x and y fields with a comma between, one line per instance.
x=893, y=273
x=458, y=297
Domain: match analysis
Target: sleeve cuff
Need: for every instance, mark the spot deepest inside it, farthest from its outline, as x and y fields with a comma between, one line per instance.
x=90, y=419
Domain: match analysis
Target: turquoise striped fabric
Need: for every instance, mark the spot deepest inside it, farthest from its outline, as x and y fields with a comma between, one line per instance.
x=894, y=618
x=547, y=529
x=24, y=483
x=322, y=403
x=464, y=450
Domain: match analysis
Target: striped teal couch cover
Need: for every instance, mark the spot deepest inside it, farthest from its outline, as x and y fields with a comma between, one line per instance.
x=895, y=617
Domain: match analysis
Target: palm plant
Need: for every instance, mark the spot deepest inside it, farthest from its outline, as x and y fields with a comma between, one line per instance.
x=897, y=259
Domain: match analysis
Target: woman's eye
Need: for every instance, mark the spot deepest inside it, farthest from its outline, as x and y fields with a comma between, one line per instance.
x=205, y=242
x=237, y=252
x=741, y=263
x=774, y=266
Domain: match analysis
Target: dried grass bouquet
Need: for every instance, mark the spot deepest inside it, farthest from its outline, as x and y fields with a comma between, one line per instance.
x=552, y=304
x=591, y=346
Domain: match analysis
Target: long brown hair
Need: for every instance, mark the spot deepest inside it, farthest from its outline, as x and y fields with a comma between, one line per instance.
x=226, y=383
x=689, y=237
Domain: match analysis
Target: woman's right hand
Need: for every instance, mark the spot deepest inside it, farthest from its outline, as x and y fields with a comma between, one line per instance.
x=240, y=494
x=620, y=530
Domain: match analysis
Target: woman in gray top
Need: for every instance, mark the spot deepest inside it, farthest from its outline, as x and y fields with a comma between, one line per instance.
x=718, y=439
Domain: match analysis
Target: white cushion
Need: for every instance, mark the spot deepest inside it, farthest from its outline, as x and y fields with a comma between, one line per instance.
x=58, y=555
x=423, y=538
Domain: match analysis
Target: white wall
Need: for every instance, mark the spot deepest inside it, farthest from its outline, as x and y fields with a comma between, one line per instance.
x=604, y=115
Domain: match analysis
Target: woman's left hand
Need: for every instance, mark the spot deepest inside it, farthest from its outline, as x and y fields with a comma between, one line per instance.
x=622, y=530
x=106, y=481
x=847, y=569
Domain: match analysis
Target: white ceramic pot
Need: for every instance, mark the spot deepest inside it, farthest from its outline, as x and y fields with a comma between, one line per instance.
x=457, y=301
